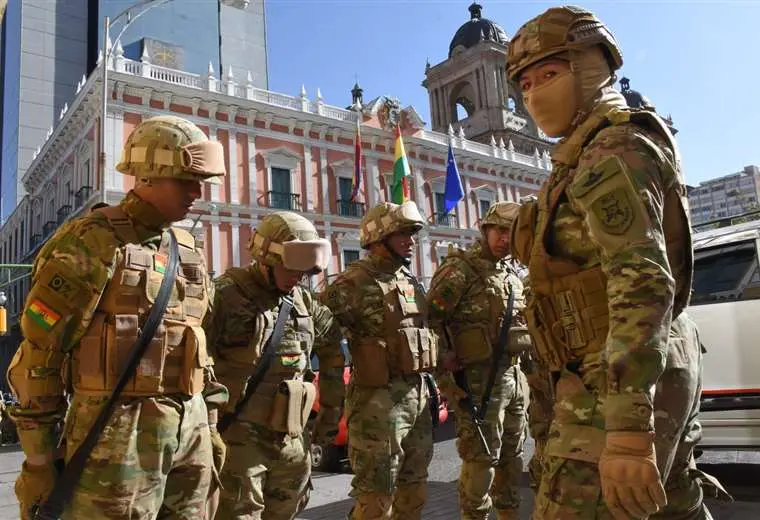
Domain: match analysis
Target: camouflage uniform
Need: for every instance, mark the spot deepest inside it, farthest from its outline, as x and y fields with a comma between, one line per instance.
x=468, y=298
x=268, y=462
x=93, y=283
x=608, y=247
x=383, y=312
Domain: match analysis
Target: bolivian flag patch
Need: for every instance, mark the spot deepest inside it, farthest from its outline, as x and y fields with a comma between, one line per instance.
x=42, y=315
x=438, y=303
x=290, y=360
x=409, y=295
x=159, y=263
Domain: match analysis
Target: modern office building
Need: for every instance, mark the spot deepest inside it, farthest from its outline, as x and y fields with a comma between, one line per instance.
x=47, y=47
x=726, y=196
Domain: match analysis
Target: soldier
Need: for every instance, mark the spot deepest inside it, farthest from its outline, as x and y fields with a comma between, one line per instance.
x=391, y=396
x=468, y=299
x=608, y=247
x=266, y=474
x=93, y=285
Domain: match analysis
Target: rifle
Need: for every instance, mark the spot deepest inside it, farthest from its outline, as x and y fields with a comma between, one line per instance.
x=506, y=324
x=467, y=403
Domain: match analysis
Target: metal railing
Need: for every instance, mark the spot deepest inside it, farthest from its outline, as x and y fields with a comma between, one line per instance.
x=63, y=212
x=49, y=227
x=445, y=219
x=284, y=200
x=350, y=208
x=82, y=196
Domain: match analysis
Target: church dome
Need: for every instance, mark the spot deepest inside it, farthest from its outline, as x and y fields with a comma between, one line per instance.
x=477, y=30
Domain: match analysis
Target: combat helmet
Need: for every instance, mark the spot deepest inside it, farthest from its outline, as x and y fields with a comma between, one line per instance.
x=387, y=218
x=557, y=30
x=172, y=147
x=291, y=240
x=500, y=214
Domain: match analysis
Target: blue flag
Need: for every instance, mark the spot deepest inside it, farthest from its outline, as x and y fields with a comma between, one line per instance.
x=453, y=192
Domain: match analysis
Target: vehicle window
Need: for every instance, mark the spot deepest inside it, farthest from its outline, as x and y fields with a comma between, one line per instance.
x=727, y=273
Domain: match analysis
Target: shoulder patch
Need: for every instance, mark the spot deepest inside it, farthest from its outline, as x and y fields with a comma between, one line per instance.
x=614, y=211
x=589, y=179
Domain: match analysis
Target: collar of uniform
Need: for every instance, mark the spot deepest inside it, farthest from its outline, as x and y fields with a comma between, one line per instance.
x=569, y=149
x=384, y=264
x=149, y=223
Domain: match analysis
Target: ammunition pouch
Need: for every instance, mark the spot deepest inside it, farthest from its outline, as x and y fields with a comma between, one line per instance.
x=370, y=360
x=417, y=350
x=291, y=407
x=573, y=321
x=472, y=343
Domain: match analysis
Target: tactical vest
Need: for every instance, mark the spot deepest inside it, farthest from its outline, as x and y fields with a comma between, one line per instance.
x=568, y=315
x=289, y=364
x=407, y=346
x=174, y=361
x=475, y=335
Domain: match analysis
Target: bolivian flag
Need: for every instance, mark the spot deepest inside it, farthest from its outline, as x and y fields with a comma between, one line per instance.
x=42, y=315
x=401, y=171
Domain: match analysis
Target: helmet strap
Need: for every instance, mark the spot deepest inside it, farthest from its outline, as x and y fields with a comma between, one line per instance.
x=403, y=261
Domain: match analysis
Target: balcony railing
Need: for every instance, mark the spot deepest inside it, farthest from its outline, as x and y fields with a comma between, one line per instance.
x=34, y=241
x=63, y=212
x=349, y=208
x=284, y=200
x=82, y=196
x=444, y=219
x=49, y=227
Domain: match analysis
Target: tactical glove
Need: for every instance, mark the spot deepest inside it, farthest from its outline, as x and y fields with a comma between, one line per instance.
x=33, y=485
x=326, y=425
x=631, y=483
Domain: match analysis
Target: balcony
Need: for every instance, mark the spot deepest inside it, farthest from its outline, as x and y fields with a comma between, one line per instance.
x=284, y=200
x=445, y=219
x=349, y=208
x=63, y=212
x=49, y=227
x=34, y=241
x=82, y=196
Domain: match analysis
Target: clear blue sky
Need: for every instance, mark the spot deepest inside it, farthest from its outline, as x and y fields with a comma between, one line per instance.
x=698, y=61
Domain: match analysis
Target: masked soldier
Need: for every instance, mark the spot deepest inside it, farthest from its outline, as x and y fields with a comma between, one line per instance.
x=93, y=285
x=381, y=307
x=469, y=298
x=268, y=466
x=608, y=247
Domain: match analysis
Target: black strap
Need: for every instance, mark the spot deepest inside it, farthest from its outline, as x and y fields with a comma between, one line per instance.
x=67, y=481
x=263, y=365
x=506, y=324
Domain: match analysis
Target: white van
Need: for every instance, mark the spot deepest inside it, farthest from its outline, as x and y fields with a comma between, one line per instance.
x=725, y=304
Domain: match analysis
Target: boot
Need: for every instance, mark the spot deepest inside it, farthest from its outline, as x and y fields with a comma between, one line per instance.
x=372, y=506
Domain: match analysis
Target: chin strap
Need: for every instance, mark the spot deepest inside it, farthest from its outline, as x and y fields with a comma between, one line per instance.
x=406, y=262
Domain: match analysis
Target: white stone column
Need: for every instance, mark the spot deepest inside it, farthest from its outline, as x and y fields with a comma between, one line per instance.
x=468, y=202
x=500, y=192
x=308, y=174
x=426, y=258
x=214, y=187
x=373, y=185
x=419, y=192
x=325, y=179
x=233, y=160
x=517, y=194
x=252, y=173
x=216, y=254
x=113, y=145
x=235, y=242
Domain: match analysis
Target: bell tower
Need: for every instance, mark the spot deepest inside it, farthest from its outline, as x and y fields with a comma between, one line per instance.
x=470, y=89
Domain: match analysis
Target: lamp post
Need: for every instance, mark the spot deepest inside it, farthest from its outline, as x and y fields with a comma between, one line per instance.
x=128, y=16
x=3, y=314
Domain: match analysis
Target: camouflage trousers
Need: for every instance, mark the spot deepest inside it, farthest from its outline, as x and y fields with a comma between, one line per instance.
x=265, y=474
x=390, y=434
x=540, y=415
x=481, y=485
x=570, y=486
x=153, y=459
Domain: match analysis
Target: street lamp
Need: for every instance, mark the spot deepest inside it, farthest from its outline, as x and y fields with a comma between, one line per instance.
x=3, y=313
x=129, y=15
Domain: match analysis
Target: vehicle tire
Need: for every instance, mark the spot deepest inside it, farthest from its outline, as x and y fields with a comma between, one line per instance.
x=325, y=458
